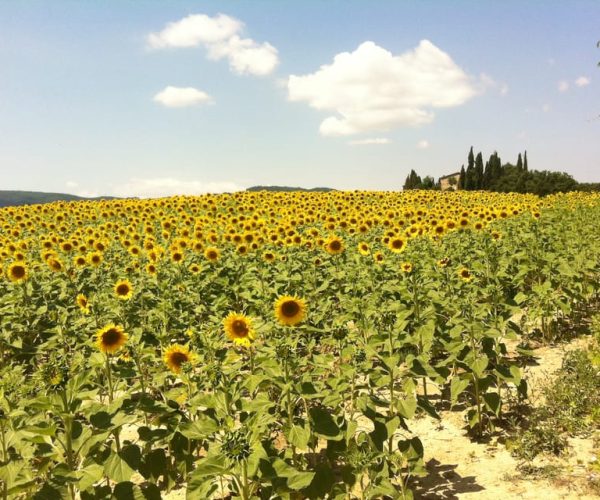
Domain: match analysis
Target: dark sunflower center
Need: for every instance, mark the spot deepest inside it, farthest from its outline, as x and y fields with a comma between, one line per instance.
x=178, y=358
x=177, y=257
x=111, y=337
x=123, y=289
x=290, y=308
x=212, y=255
x=18, y=271
x=83, y=302
x=240, y=328
x=397, y=243
x=335, y=245
x=465, y=273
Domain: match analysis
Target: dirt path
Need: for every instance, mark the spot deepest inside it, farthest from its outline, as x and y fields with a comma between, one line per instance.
x=460, y=468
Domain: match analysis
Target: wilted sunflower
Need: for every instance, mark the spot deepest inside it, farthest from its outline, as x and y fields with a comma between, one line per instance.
x=176, y=355
x=212, y=254
x=238, y=327
x=290, y=310
x=83, y=303
x=465, y=274
x=17, y=272
x=406, y=267
x=55, y=264
x=444, y=262
x=334, y=246
x=123, y=289
x=111, y=338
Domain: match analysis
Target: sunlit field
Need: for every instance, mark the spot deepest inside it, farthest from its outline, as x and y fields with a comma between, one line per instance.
x=272, y=345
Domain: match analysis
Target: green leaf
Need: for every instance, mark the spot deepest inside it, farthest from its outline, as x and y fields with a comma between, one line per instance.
x=492, y=401
x=407, y=407
x=117, y=469
x=200, y=428
x=457, y=387
x=479, y=365
x=324, y=425
x=90, y=475
x=520, y=298
x=296, y=480
x=298, y=436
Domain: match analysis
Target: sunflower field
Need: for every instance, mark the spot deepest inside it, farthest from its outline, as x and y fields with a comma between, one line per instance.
x=271, y=345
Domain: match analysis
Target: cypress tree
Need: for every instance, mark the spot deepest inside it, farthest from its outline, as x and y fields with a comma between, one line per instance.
x=471, y=162
x=478, y=172
x=461, y=178
x=520, y=162
x=525, y=162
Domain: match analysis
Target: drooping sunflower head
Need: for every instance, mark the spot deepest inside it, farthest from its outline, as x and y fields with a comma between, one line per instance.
x=238, y=327
x=465, y=274
x=290, y=310
x=334, y=246
x=111, y=338
x=176, y=356
x=17, y=272
x=444, y=262
x=55, y=264
x=83, y=303
x=123, y=289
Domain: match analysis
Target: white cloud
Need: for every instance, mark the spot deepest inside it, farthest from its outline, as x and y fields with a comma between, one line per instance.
x=245, y=55
x=181, y=97
x=86, y=193
x=563, y=86
x=168, y=186
x=71, y=184
x=220, y=36
x=371, y=89
x=372, y=140
x=422, y=144
x=194, y=30
x=583, y=81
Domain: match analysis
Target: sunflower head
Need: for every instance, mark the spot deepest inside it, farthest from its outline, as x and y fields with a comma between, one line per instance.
x=444, y=262
x=111, y=338
x=238, y=327
x=123, y=289
x=396, y=244
x=334, y=246
x=83, y=303
x=290, y=310
x=176, y=356
x=406, y=267
x=363, y=248
x=269, y=256
x=17, y=272
x=465, y=274
x=212, y=254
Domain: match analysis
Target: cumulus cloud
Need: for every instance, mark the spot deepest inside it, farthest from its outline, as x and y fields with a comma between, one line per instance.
x=168, y=186
x=422, y=144
x=563, y=86
x=220, y=36
x=371, y=89
x=583, y=81
x=181, y=97
x=372, y=140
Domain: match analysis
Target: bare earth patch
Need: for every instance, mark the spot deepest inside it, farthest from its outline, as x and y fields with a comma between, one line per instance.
x=461, y=468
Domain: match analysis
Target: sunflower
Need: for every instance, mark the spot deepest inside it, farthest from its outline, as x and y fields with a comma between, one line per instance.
x=334, y=246
x=238, y=328
x=496, y=235
x=444, y=262
x=176, y=356
x=290, y=310
x=396, y=245
x=363, y=248
x=17, y=272
x=378, y=257
x=79, y=261
x=212, y=254
x=111, y=338
x=55, y=264
x=151, y=269
x=95, y=259
x=123, y=289
x=406, y=267
x=83, y=303
x=194, y=268
x=465, y=274
x=268, y=257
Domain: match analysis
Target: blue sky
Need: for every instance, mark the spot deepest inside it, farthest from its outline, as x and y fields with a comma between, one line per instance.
x=257, y=97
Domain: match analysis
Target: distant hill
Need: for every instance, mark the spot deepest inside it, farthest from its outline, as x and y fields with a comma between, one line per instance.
x=15, y=198
x=289, y=188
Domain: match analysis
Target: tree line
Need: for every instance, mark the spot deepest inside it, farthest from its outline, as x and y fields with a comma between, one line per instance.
x=504, y=178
